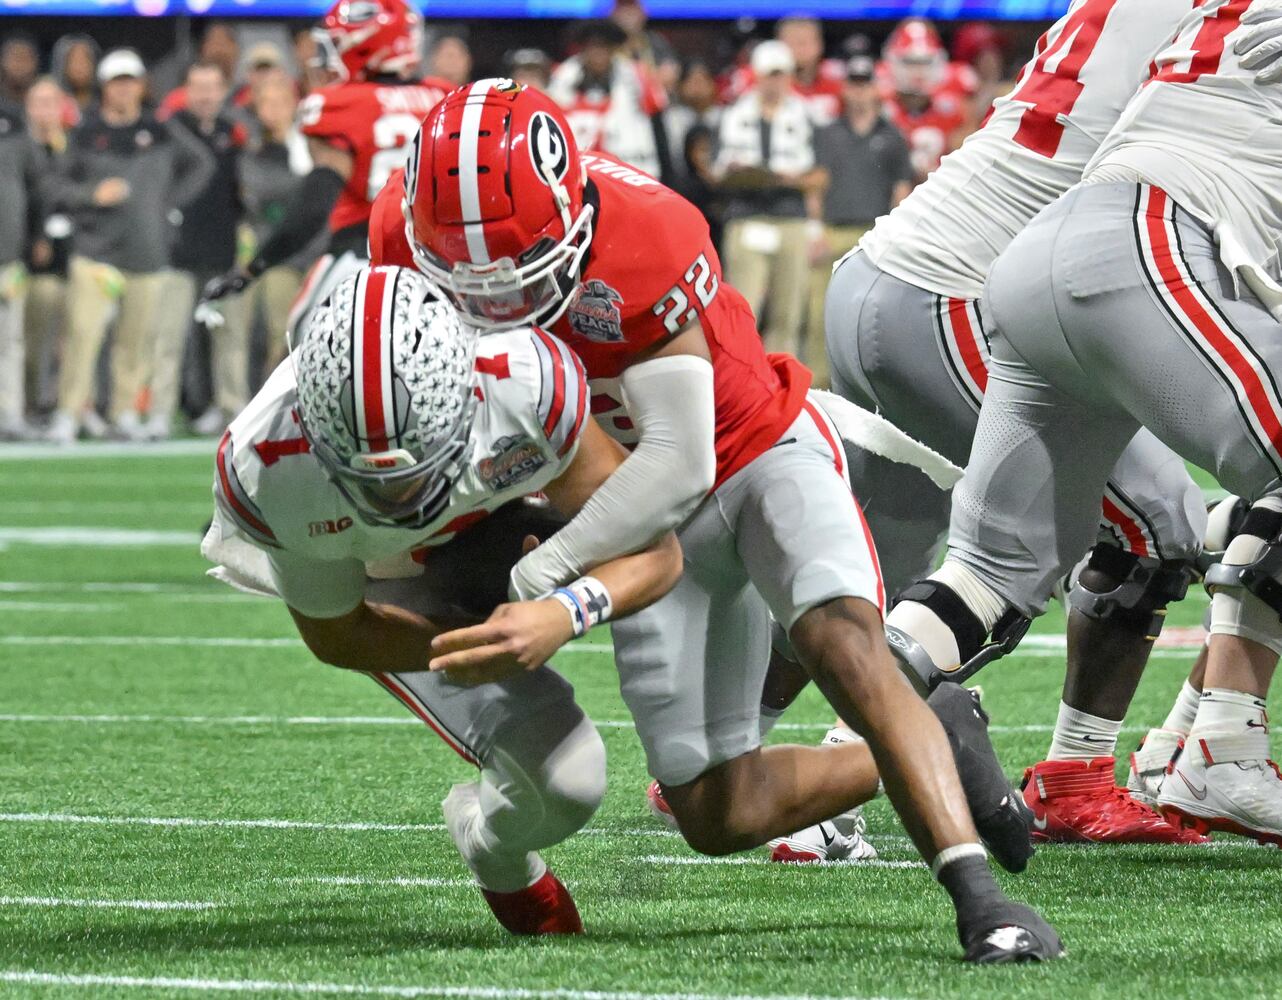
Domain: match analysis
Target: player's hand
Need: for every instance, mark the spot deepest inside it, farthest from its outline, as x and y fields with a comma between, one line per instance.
x=516, y=638
x=234, y=281
x=110, y=192
x=1260, y=43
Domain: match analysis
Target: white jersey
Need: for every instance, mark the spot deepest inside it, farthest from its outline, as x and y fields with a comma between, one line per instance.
x=271, y=490
x=1032, y=148
x=1206, y=133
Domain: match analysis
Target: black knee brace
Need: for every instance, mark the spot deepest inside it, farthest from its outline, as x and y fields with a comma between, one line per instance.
x=1140, y=590
x=1262, y=576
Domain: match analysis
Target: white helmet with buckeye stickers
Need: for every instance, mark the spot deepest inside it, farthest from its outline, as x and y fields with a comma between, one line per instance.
x=386, y=394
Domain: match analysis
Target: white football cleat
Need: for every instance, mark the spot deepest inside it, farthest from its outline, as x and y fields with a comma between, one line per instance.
x=1151, y=763
x=840, y=839
x=1226, y=782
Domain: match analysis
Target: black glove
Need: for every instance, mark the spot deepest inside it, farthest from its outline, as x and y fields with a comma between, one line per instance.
x=235, y=280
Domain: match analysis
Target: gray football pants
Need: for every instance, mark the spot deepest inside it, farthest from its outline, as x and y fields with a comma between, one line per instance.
x=922, y=361
x=1111, y=311
x=541, y=760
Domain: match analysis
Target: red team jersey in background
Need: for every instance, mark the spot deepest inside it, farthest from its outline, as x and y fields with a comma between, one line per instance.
x=374, y=121
x=651, y=270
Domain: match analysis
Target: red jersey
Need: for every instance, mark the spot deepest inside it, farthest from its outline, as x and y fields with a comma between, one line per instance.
x=930, y=133
x=374, y=121
x=651, y=271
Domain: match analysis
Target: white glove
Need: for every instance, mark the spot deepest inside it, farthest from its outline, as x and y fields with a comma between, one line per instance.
x=1260, y=46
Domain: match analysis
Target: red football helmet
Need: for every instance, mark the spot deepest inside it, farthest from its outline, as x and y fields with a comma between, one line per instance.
x=362, y=38
x=916, y=58
x=494, y=205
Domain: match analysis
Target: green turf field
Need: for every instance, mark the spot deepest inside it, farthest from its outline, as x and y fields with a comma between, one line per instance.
x=190, y=806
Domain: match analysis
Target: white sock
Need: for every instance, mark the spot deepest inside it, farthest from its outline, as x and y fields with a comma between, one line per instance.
x=1184, y=711
x=1082, y=736
x=975, y=594
x=1233, y=712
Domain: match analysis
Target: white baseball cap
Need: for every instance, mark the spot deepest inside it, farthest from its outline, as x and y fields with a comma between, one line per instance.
x=772, y=56
x=121, y=62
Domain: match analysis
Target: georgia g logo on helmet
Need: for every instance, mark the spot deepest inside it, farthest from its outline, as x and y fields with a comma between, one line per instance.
x=549, y=152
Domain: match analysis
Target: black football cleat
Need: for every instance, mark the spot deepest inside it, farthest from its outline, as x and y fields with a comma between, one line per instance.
x=1013, y=933
x=1001, y=816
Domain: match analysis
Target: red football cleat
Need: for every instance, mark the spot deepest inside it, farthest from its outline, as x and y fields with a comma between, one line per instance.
x=659, y=807
x=546, y=907
x=1078, y=802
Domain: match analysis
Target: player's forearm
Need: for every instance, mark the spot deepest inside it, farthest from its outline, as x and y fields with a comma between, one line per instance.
x=304, y=218
x=668, y=474
x=636, y=581
x=371, y=638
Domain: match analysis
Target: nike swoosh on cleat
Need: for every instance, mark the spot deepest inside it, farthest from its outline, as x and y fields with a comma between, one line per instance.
x=1198, y=794
x=824, y=833
x=1041, y=822
x=1257, y=725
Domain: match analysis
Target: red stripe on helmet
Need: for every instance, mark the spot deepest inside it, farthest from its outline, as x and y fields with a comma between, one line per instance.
x=372, y=360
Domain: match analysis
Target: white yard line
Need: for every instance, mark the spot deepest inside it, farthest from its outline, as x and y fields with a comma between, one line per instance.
x=310, y=988
x=89, y=537
x=233, y=642
x=107, y=449
x=1050, y=650
x=287, y=824
x=389, y=720
x=81, y=606
x=683, y=859
x=108, y=904
x=404, y=881
x=138, y=505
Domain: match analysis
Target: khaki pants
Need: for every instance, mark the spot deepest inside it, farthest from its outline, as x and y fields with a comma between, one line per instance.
x=13, y=295
x=97, y=293
x=45, y=330
x=273, y=294
x=229, y=349
x=766, y=260
x=841, y=239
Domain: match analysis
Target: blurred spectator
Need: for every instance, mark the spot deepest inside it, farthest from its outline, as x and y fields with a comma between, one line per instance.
x=74, y=65
x=610, y=101
x=926, y=95
x=19, y=177
x=696, y=105
x=49, y=243
x=123, y=173
x=766, y=163
x=19, y=64
x=818, y=80
x=697, y=179
x=978, y=45
x=529, y=67
x=272, y=169
x=869, y=172
x=219, y=45
x=262, y=62
x=647, y=47
x=206, y=247
x=312, y=72
x=450, y=58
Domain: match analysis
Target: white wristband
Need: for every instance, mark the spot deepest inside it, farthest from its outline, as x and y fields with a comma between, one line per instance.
x=587, y=601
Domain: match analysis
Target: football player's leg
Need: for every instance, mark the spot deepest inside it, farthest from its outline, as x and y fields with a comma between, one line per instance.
x=805, y=544
x=912, y=356
x=1156, y=520
x=541, y=777
x=691, y=668
x=1029, y=503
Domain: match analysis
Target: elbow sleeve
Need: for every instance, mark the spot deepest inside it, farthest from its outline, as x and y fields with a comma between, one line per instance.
x=657, y=487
